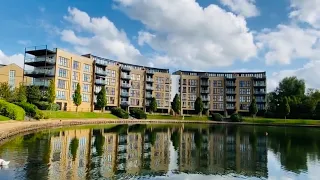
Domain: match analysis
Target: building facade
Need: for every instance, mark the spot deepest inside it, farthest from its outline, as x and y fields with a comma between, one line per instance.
x=13, y=75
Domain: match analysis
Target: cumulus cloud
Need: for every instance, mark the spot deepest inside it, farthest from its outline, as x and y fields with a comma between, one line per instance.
x=187, y=35
x=104, y=39
x=306, y=11
x=16, y=58
x=288, y=42
x=247, y=8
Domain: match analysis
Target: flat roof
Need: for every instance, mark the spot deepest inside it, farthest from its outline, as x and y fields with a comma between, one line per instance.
x=227, y=72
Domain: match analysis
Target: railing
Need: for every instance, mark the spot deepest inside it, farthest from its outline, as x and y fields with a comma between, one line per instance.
x=101, y=72
x=149, y=80
x=205, y=98
x=230, y=84
x=40, y=71
x=231, y=108
x=261, y=100
x=148, y=95
x=149, y=88
x=102, y=62
x=230, y=92
x=126, y=68
x=29, y=60
x=259, y=84
x=204, y=91
x=124, y=94
x=41, y=83
x=231, y=100
x=125, y=103
x=150, y=71
x=259, y=92
x=204, y=84
x=100, y=81
x=125, y=85
x=123, y=76
x=205, y=106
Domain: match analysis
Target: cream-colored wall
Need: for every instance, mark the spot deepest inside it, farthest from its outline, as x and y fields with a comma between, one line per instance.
x=4, y=74
x=85, y=106
x=165, y=92
x=238, y=79
x=189, y=77
x=116, y=86
x=137, y=72
x=211, y=87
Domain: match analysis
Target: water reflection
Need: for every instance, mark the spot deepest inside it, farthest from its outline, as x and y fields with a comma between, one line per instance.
x=126, y=151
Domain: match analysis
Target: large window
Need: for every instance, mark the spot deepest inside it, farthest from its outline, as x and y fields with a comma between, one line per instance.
x=86, y=88
x=62, y=84
x=86, y=77
x=218, y=98
x=110, y=82
x=245, y=90
x=63, y=72
x=74, y=86
x=85, y=98
x=86, y=68
x=193, y=82
x=245, y=99
x=75, y=75
x=61, y=95
x=12, y=75
x=218, y=90
x=76, y=65
x=110, y=91
x=218, y=106
x=245, y=83
x=217, y=83
x=63, y=61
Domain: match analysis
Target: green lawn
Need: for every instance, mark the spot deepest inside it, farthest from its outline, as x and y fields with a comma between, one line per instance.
x=195, y=118
x=78, y=115
x=3, y=118
x=281, y=121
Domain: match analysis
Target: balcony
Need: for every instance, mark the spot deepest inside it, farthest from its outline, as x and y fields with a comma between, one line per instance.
x=205, y=99
x=126, y=85
x=261, y=101
x=204, y=91
x=205, y=106
x=204, y=84
x=259, y=85
x=37, y=62
x=149, y=80
x=231, y=84
x=231, y=100
x=39, y=51
x=231, y=77
x=126, y=68
x=39, y=73
x=204, y=76
x=41, y=83
x=124, y=76
x=124, y=94
x=149, y=88
x=230, y=108
x=101, y=72
x=231, y=92
x=148, y=96
x=260, y=77
x=259, y=93
x=125, y=103
x=101, y=63
x=100, y=81
x=150, y=72
x=97, y=91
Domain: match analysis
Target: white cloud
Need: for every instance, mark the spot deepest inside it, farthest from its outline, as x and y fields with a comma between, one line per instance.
x=288, y=42
x=306, y=11
x=188, y=35
x=24, y=42
x=247, y=8
x=16, y=58
x=309, y=72
x=104, y=39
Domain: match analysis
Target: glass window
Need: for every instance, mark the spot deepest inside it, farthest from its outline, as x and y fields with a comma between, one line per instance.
x=85, y=98
x=12, y=74
x=75, y=75
x=63, y=61
x=86, y=77
x=113, y=73
x=86, y=88
x=63, y=72
x=74, y=86
x=62, y=84
x=76, y=65
x=61, y=95
x=87, y=68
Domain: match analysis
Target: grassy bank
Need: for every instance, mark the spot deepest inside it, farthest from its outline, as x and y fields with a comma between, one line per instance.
x=194, y=118
x=3, y=118
x=281, y=121
x=77, y=115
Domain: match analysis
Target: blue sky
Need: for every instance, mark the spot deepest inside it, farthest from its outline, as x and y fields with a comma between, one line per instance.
x=281, y=37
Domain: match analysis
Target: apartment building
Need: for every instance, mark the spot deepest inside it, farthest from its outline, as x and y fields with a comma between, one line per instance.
x=127, y=85
x=13, y=75
x=220, y=92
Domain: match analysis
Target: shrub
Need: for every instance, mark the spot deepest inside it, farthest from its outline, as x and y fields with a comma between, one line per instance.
x=31, y=110
x=236, y=117
x=217, y=117
x=55, y=107
x=42, y=105
x=138, y=113
x=171, y=112
x=39, y=115
x=11, y=111
x=120, y=113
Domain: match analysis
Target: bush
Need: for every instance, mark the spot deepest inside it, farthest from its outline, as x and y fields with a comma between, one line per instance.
x=236, y=117
x=55, y=107
x=171, y=112
x=31, y=110
x=217, y=117
x=120, y=113
x=138, y=113
x=11, y=111
x=42, y=105
x=39, y=115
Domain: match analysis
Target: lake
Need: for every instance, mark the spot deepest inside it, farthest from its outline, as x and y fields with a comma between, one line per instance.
x=179, y=151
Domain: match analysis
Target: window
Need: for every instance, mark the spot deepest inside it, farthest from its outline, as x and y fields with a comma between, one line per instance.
x=113, y=73
x=111, y=100
x=86, y=88
x=218, y=90
x=86, y=68
x=245, y=90
x=217, y=83
x=62, y=84
x=193, y=82
x=86, y=77
x=110, y=91
x=75, y=76
x=218, y=98
x=184, y=89
x=135, y=85
x=246, y=99
x=74, y=86
x=158, y=95
x=76, y=65
x=63, y=61
x=184, y=82
x=63, y=72
x=61, y=95
x=12, y=75
x=85, y=98
x=245, y=83
x=218, y=106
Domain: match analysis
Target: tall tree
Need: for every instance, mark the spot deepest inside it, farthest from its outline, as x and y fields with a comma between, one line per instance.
x=102, y=99
x=291, y=87
x=51, y=95
x=77, y=99
x=175, y=139
x=33, y=94
x=198, y=106
x=175, y=104
x=74, y=144
x=153, y=105
x=285, y=107
x=20, y=93
x=253, y=109
x=317, y=111
x=5, y=91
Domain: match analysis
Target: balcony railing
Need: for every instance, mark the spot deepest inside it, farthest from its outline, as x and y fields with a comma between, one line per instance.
x=230, y=108
x=205, y=99
x=124, y=94
x=41, y=83
x=261, y=100
x=149, y=88
x=150, y=72
x=39, y=72
x=149, y=80
x=230, y=84
x=230, y=92
x=231, y=100
x=100, y=81
x=124, y=76
x=204, y=84
x=148, y=95
x=206, y=106
x=101, y=72
x=125, y=85
x=33, y=60
x=259, y=92
x=259, y=84
x=125, y=103
x=205, y=91
x=125, y=68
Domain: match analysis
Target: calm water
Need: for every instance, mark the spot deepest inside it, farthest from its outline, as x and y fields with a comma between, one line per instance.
x=165, y=152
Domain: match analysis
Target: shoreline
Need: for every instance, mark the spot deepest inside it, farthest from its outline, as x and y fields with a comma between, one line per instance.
x=9, y=129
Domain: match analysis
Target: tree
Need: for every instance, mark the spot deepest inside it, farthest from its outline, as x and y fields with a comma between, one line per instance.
x=153, y=105
x=198, y=106
x=33, y=94
x=5, y=91
x=253, y=109
x=20, y=93
x=317, y=111
x=102, y=99
x=285, y=107
x=175, y=104
x=175, y=139
x=74, y=144
x=291, y=87
x=51, y=94
x=77, y=99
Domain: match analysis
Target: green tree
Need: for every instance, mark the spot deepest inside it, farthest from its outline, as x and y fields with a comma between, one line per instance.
x=291, y=87
x=153, y=138
x=51, y=94
x=175, y=139
x=5, y=91
x=253, y=109
x=102, y=99
x=198, y=106
x=317, y=111
x=77, y=99
x=153, y=105
x=20, y=93
x=74, y=144
x=98, y=141
x=33, y=94
x=175, y=104
x=285, y=107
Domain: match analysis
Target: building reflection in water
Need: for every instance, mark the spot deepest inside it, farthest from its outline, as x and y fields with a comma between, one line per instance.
x=138, y=150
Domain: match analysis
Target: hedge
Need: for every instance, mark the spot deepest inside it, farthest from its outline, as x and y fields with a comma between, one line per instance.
x=11, y=111
x=235, y=117
x=217, y=117
x=31, y=110
x=120, y=113
x=138, y=113
x=44, y=105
